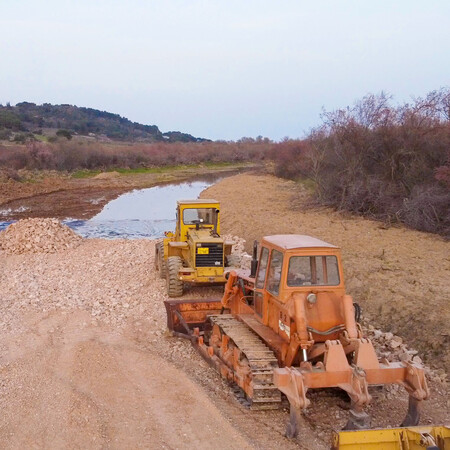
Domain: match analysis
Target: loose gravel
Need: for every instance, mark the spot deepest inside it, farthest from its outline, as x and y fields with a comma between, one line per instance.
x=37, y=236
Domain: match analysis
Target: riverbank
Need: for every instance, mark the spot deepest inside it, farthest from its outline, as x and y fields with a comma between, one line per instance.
x=83, y=195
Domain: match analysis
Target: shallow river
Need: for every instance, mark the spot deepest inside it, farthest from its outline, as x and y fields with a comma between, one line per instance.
x=143, y=213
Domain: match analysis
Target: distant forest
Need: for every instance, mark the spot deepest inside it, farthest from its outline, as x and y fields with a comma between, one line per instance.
x=25, y=120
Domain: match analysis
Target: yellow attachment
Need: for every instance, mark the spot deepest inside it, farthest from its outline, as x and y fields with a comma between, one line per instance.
x=412, y=438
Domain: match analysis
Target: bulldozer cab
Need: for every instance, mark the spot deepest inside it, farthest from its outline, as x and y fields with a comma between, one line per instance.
x=293, y=262
x=197, y=214
x=299, y=265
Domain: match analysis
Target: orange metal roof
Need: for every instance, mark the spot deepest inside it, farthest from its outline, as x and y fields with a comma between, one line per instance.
x=290, y=241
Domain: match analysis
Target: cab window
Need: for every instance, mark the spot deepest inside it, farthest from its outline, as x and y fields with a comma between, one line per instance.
x=313, y=271
x=274, y=276
x=261, y=277
x=198, y=215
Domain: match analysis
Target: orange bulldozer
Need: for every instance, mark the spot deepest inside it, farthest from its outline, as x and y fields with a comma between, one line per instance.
x=287, y=326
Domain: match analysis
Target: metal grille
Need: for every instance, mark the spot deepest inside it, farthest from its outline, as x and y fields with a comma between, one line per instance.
x=214, y=258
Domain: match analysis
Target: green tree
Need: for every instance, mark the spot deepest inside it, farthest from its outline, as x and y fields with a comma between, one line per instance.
x=64, y=133
x=10, y=120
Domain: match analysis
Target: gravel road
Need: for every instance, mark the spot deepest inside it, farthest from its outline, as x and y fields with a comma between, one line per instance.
x=85, y=360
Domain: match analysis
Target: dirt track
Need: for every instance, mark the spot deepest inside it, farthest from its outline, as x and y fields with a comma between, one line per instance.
x=83, y=386
x=85, y=361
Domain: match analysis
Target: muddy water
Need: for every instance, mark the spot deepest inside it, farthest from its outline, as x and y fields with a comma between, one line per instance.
x=143, y=213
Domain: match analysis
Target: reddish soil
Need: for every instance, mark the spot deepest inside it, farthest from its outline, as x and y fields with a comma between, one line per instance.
x=77, y=203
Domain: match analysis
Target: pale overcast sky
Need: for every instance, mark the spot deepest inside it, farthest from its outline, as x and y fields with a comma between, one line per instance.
x=221, y=69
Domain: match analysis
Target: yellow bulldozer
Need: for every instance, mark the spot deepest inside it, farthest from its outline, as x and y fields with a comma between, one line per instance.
x=287, y=326
x=195, y=253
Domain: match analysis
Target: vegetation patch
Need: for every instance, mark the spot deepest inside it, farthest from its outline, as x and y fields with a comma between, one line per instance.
x=161, y=169
x=73, y=156
x=382, y=161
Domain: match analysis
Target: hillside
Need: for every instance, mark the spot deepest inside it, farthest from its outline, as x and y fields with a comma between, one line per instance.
x=28, y=120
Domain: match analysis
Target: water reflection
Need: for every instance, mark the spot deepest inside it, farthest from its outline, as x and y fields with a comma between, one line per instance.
x=144, y=213
x=4, y=225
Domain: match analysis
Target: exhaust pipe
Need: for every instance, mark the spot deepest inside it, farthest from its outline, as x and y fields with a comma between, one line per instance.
x=216, y=220
x=254, y=263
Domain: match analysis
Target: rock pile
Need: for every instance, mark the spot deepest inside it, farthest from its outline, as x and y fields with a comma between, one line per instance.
x=392, y=348
x=37, y=236
x=238, y=250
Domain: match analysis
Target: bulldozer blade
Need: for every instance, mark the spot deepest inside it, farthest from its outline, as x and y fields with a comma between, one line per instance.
x=185, y=315
x=421, y=437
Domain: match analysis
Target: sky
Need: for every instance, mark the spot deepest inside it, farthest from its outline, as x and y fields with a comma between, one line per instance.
x=222, y=69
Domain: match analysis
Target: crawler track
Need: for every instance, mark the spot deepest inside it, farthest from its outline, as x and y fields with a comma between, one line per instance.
x=259, y=359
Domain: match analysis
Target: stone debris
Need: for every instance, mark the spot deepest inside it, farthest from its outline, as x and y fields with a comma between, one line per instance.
x=111, y=280
x=238, y=243
x=37, y=235
x=394, y=344
x=392, y=348
x=237, y=249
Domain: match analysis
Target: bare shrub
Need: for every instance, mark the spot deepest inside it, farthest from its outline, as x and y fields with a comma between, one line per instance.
x=14, y=157
x=386, y=162
x=73, y=155
x=427, y=209
x=442, y=173
x=292, y=158
x=9, y=174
